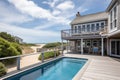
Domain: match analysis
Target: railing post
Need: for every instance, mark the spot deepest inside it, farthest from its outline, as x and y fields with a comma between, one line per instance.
x=18, y=63
x=54, y=53
x=42, y=54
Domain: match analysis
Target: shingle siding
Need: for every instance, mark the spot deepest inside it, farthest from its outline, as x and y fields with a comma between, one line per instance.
x=118, y=14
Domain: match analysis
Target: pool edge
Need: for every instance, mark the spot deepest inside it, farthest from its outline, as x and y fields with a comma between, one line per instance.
x=76, y=77
x=82, y=70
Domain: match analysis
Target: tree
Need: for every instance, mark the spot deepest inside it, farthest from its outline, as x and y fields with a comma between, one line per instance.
x=7, y=36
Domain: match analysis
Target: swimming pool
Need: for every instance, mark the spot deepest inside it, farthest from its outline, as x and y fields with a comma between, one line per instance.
x=61, y=69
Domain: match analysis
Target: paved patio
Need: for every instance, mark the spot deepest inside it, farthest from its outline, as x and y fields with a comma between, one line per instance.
x=99, y=68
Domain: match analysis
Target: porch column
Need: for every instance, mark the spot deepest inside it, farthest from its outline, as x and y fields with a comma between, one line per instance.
x=81, y=45
x=102, y=47
x=108, y=47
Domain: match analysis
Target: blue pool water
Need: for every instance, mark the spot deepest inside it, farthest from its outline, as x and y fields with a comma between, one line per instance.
x=61, y=69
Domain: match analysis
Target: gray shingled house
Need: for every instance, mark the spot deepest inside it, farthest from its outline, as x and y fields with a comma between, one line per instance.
x=97, y=33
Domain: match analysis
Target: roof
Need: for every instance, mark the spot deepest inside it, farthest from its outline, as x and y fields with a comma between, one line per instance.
x=111, y=4
x=90, y=18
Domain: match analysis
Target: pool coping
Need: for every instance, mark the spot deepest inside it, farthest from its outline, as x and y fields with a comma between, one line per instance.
x=76, y=77
x=82, y=70
x=10, y=75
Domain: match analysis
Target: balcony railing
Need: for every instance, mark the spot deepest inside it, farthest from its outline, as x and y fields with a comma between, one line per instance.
x=76, y=32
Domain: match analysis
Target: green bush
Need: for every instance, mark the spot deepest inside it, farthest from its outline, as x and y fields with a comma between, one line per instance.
x=50, y=54
x=7, y=36
x=52, y=45
x=3, y=70
x=17, y=46
x=8, y=49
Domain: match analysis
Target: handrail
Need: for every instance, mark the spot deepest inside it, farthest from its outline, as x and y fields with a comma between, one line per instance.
x=10, y=57
x=72, y=32
x=19, y=56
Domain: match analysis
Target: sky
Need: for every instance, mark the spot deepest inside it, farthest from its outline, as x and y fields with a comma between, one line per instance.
x=41, y=21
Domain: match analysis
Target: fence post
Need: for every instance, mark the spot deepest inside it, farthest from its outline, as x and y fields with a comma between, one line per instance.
x=54, y=53
x=42, y=54
x=18, y=63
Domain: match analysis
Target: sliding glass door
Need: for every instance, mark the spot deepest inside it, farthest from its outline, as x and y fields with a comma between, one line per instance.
x=115, y=47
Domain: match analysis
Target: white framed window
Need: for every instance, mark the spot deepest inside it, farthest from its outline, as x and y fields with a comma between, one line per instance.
x=113, y=18
x=92, y=27
x=88, y=27
x=83, y=28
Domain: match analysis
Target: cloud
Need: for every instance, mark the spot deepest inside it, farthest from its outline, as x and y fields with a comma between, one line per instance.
x=8, y=14
x=56, y=12
x=30, y=8
x=27, y=33
x=66, y=5
x=51, y=2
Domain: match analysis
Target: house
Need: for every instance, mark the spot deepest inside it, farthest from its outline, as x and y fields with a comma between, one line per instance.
x=97, y=33
x=18, y=39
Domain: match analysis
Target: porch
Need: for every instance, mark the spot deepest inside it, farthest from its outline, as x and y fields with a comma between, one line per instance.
x=87, y=46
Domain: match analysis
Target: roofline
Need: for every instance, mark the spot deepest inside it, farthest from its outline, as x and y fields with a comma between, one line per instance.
x=89, y=21
x=93, y=13
x=110, y=5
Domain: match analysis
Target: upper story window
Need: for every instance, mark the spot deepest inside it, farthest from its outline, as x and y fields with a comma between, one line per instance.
x=102, y=25
x=83, y=28
x=75, y=29
x=97, y=26
x=88, y=28
x=113, y=17
x=92, y=27
x=79, y=28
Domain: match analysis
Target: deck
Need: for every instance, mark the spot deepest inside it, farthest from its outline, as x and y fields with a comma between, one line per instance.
x=71, y=34
x=99, y=68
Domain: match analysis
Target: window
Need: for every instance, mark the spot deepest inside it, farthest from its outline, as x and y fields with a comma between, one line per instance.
x=83, y=28
x=75, y=29
x=97, y=26
x=88, y=28
x=113, y=18
x=92, y=27
x=79, y=28
x=102, y=24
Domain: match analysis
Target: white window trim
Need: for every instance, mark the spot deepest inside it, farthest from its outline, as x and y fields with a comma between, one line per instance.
x=95, y=28
x=111, y=45
x=113, y=27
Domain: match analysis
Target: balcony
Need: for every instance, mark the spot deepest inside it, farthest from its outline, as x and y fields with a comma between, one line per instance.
x=77, y=34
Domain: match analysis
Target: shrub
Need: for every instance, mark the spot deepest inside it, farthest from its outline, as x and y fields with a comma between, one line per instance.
x=17, y=46
x=3, y=70
x=50, y=54
x=7, y=36
x=7, y=49
x=52, y=45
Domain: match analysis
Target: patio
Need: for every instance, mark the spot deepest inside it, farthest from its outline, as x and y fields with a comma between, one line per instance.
x=99, y=67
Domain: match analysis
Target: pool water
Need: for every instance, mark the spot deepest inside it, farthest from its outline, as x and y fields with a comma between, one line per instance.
x=61, y=69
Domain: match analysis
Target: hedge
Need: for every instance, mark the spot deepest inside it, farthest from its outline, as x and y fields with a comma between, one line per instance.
x=8, y=49
x=50, y=54
x=3, y=70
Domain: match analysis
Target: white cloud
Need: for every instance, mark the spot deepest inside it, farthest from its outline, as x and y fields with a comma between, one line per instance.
x=8, y=15
x=66, y=5
x=51, y=2
x=56, y=12
x=30, y=8
x=27, y=33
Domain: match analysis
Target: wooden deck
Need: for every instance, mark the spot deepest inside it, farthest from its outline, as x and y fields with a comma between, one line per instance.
x=100, y=68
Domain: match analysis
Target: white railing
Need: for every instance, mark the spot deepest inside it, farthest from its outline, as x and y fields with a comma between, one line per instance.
x=74, y=32
x=19, y=57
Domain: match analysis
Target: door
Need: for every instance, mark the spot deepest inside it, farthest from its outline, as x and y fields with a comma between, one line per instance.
x=115, y=47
